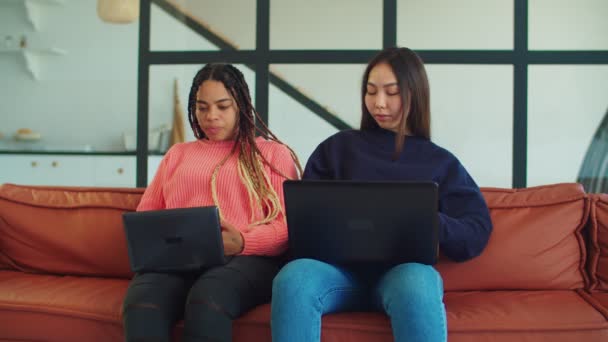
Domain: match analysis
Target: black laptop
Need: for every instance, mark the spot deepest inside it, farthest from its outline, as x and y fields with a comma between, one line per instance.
x=345, y=222
x=174, y=240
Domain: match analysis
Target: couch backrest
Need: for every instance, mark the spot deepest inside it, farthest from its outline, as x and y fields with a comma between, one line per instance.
x=536, y=242
x=65, y=230
x=598, y=242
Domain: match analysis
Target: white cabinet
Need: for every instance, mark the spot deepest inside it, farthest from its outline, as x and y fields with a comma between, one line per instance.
x=35, y=169
x=118, y=171
x=18, y=169
x=68, y=170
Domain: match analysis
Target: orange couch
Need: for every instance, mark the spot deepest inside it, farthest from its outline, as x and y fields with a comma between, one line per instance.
x=543, y=277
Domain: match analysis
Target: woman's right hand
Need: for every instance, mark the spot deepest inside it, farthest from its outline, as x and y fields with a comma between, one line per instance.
x=232, y=238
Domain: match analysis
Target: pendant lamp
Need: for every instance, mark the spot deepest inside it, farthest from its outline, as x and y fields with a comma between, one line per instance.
x=118, y=11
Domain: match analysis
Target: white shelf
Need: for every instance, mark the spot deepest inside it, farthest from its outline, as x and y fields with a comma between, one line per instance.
x=32, y=59
x=33, y=11
x=32, y=56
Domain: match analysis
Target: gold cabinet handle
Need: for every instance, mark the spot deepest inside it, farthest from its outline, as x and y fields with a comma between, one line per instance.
x=54, y=163
x=120, y=170
x=34, y=164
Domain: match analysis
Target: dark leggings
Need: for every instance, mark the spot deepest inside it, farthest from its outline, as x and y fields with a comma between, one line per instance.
x=207, y=301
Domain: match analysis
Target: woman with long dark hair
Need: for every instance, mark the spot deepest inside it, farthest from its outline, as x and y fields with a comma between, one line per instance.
x=392, y=144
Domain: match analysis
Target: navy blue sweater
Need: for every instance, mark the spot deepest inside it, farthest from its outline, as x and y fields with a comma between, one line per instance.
x=464, y=219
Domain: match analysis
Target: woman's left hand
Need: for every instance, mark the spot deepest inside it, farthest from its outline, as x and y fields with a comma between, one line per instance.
x=233, y=240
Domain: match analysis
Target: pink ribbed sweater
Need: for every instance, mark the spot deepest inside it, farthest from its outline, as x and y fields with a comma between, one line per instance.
x=183, y=179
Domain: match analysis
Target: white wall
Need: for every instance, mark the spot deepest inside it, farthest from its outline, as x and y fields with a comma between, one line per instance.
x=85, y=98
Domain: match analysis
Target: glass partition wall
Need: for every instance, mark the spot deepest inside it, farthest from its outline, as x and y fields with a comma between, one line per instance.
x=499, y=74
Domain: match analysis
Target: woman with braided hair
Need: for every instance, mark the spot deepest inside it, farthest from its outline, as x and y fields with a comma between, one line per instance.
x=227, y=166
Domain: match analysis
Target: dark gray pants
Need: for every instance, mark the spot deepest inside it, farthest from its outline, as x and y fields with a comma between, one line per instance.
x=208, y=301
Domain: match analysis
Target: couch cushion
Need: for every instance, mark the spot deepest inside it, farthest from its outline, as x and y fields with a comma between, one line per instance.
x=472, y=316
x=524, y=315
x=36, y=307
x=65, y=230
x=602, y=299
x=598, y=242
x=90, y=307
x=536, y=242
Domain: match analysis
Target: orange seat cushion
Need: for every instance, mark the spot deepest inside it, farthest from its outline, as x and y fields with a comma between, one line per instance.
x=88, y=309
x=36, y=307
x=524, y=316
x=473, y=316
x=602, y=299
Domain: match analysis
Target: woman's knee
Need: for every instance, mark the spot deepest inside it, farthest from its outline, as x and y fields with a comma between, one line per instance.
x=411, y=283
x=211, y=295
x=140, y=296
x=299, y=278
x=155, y=292
x=143, y=317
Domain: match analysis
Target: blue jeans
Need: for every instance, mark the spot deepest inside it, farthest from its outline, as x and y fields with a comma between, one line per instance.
x=410, y=294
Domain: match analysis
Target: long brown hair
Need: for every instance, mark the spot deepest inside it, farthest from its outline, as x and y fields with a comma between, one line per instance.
x=415, y=95
x=250, y=160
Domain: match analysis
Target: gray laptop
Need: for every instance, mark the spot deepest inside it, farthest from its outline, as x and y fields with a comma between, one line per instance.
x=346, y=222
x=174, y=240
